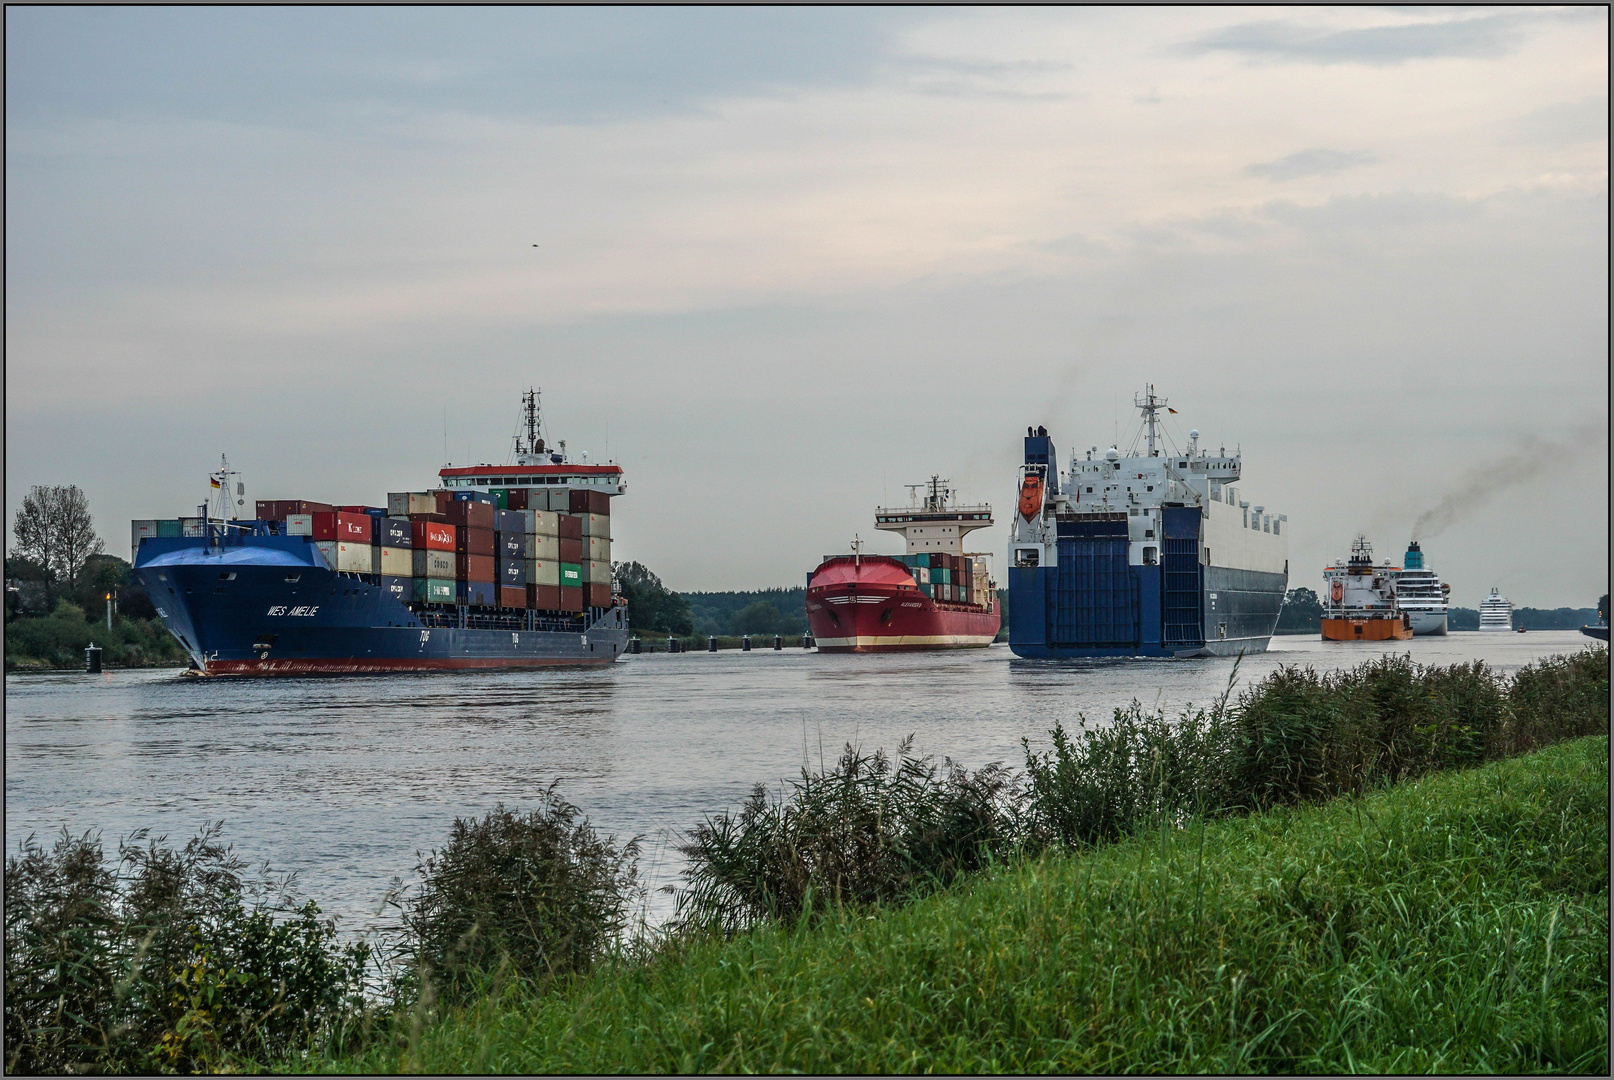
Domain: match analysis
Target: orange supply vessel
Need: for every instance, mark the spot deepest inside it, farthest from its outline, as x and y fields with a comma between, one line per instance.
x=933, y=597
x=1359, y=602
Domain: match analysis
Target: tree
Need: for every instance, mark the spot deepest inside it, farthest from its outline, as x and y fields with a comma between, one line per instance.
x=651, y=605
x=53, y=528
x=1302, y=611
x=758, y=618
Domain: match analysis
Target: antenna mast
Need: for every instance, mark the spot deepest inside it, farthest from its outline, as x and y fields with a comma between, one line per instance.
x=1150, y=405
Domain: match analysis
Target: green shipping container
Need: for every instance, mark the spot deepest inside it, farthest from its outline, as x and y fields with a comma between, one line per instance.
x=940, y=576
x=501, y=497
x=433, y=590
x=928, y=590
x=571, y=575
x=168, y=527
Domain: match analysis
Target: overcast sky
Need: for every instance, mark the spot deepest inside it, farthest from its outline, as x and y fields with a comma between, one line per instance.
x=791, y=260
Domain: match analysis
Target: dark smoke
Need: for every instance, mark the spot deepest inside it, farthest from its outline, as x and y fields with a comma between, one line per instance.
x=1485, y=482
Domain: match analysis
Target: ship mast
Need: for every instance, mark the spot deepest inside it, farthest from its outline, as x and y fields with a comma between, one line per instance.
x=1150, y=405
x=220, y=480
x=532, y=421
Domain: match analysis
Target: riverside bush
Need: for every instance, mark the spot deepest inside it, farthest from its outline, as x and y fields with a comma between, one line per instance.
x=535, y=895
x=173, y=961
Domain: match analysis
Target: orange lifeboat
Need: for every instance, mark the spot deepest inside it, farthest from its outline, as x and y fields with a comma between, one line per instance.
x=1338, y=592
x=1030, y=496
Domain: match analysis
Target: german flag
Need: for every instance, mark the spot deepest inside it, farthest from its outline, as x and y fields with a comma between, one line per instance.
x=1170, y=410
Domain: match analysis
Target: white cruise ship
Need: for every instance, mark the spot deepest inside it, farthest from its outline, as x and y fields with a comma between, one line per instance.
x=1496, y=612
x=1421, y=594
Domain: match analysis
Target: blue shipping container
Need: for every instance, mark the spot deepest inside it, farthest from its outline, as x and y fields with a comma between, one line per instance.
x=477, y=593
x=392, y=532
x=399, y=588
x=510, y=545
x=512, y=571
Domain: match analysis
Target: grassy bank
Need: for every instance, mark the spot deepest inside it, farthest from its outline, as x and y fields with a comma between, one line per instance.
x=57, y=641
x=1452, y=924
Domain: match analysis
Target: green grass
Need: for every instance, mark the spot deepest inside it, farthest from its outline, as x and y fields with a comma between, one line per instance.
x=1456, y=923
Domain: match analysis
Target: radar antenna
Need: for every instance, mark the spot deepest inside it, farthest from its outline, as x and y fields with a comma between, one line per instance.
x=532, y=420
x=936, y=492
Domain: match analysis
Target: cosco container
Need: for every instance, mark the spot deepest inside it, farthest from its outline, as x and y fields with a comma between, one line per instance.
x=512, y=571
x=597, y=548
x=392, y=532
x=571, y=598
x=544, y=597
x=404, y=503
x=168, y=527
x=543, y=547
x=571, y=551
x=475, y=542
x=138, y=531
x=569, y=526
x=512, y=596
x=571, y=575
x=432, y=535
x=399, y=588
x=598, y=594
x=543, y=523
x=429, y=563
x=543, y=572
x=595, y=572
x=510, y=545
x=477, y=593
x=596, y=525
x=476, y=568
x=433, y=590
x=582, y=501
x=394, y=562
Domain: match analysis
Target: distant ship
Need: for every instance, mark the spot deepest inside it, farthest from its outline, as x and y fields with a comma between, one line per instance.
x=1496, y=612
x=933, y=597
x=1421, y=594
x=1359, y=599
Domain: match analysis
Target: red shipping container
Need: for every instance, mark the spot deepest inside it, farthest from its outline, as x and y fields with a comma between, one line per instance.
x=266, y=510
x=336, y=525
x=432, y=535
x=516, y=499
x=589, y=502
x=475, y=542
x=358, y=510
x=571, y=551
x=303, y=506
x=571, y=527
x=476, y=568
x=469, y=514
x=599, y=593
x=513, y=596
x=544, y=597
x=571, y=598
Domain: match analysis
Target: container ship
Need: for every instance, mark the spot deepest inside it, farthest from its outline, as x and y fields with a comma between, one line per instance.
x=500, y=566
x=1359, y=599
x=1149, y=553
x=1421, y=594
x=933, y=597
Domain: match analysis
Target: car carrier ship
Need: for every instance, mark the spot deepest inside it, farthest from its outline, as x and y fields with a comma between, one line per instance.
x=933, y=597
x=1151, y=553
x=501, y=566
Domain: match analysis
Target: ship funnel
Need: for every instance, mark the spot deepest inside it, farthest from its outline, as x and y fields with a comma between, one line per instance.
x=1414, y=559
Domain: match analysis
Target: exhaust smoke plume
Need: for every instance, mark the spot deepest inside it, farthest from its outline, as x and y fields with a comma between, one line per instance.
x=1485, y=482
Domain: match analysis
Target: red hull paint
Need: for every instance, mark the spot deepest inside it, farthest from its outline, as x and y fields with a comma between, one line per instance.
x=345, y=666
x=873, y=605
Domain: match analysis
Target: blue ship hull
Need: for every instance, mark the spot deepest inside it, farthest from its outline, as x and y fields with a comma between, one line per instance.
x=268, y=605
x=1093, y=604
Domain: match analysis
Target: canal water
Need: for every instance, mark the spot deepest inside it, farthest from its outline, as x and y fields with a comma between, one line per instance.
x=344, y=780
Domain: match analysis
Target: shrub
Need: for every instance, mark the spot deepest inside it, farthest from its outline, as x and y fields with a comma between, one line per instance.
x=868, y=831
x=163, y=965
x=539, y=895
x=1556, y=698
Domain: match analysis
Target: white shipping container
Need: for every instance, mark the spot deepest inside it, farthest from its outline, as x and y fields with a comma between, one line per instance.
x=352, y=558
x=597, y=573
x=432, y=564
x=543, y=572
x=596, y=525
x=394, y=562
x=192, y=527
x=543, y=547
x=299, y=524
x=542, y=522
x=404, y=503
x=597, y=548
x=138, y=530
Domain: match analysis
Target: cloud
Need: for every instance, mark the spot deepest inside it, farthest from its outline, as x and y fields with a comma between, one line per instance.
x=1317, y=161
x=1486, y=37
x=1558, y=125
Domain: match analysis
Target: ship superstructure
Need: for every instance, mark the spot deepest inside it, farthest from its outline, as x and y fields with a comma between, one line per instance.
x=1496, y=612
x=1421, y=594
x=1154, y=552
x=502, y=566
x=1359, y=599
x=935, y=596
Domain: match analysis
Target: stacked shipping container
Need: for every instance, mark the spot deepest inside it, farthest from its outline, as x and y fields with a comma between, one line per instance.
x=943, y=576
